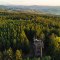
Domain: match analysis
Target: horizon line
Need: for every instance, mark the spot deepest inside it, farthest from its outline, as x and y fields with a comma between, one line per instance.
x=26, y=5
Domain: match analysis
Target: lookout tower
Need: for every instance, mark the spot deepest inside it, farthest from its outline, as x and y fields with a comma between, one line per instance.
x=38, y=47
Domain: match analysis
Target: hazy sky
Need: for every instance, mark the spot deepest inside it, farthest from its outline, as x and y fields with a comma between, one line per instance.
x=31, y=2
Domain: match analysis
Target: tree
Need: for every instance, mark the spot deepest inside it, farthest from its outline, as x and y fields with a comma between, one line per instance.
x=18, y=55
x=10, y=54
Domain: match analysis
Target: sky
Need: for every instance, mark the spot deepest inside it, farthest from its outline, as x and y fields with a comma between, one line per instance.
x=31, y=2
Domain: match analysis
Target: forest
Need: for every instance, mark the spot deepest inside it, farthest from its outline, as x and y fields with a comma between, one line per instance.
x=18, y=29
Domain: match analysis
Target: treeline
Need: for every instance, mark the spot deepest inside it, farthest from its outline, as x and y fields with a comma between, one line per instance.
x=17, y=15
x=16, y=35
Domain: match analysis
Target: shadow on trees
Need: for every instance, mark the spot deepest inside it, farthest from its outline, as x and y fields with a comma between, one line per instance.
x=30, y=34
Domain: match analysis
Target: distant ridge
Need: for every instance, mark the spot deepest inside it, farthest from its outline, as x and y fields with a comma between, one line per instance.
x=34, y=8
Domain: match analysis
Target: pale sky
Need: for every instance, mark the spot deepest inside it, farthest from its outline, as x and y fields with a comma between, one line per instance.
x=31, y=2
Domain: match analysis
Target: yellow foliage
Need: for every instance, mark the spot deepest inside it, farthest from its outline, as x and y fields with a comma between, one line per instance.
x=18, y=55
